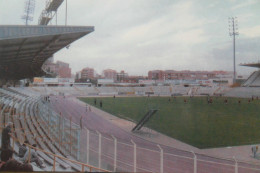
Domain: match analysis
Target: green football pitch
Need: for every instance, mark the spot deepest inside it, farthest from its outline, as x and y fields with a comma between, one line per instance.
x=195, y=122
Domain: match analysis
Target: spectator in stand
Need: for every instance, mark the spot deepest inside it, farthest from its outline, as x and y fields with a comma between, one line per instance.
x=95, y=101
x=22, y=149
x=15, y=166
x=6, y=136
x=8, y=164
x=26, y=167
x=34, y=157
x=6, y=154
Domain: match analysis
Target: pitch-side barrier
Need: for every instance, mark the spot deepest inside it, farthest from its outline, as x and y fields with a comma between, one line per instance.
x=108, y=152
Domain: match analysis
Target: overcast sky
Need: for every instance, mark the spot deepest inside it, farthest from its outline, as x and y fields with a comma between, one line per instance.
x=142, y=35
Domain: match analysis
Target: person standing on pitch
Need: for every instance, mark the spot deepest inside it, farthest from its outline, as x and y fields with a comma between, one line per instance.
x=100, y=103
x=254, y=150
x=80, y=122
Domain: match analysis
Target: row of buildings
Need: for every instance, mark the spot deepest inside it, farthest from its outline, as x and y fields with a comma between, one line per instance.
x=109, y=76
x=88, y=74
x=187, y=75
x=122, y=76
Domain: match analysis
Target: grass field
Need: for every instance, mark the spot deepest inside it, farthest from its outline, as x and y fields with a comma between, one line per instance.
x=196, y=122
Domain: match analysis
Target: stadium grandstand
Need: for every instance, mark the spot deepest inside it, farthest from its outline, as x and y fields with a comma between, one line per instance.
x=72, y=136
x=251, y=87
x=254, y=79
x=24, y=49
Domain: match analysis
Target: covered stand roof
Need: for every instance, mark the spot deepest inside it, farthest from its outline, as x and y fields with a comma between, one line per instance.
x=257, y=65
x=24, y=49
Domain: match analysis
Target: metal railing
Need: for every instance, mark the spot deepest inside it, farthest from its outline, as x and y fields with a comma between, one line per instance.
x=114, y=154
x=64, y=130
x=83, y=165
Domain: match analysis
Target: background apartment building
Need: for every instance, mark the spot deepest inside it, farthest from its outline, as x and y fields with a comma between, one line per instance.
x=156, y=75
x=64, y=71
x=110, y=74
x=122, y=76
x=87, y=73
x=59, y=69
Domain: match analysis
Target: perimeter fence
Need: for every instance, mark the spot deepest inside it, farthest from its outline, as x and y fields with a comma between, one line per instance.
x=114, y=154
x=63, y=132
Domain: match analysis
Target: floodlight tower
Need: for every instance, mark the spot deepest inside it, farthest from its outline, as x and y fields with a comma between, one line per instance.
x=66, y=13
x=233, y=31
x=49, y=12
x=28, y=10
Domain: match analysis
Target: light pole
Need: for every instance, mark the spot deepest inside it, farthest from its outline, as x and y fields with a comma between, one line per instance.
x=28, y=10
x=66, y=13
x=233, y=31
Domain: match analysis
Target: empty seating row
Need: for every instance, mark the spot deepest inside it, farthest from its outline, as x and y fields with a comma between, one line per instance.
x=24, y=128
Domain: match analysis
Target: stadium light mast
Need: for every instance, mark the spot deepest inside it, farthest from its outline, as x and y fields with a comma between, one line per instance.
x=233, y=31
x=66, y=13
x=50, y=11
x=28, y=10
